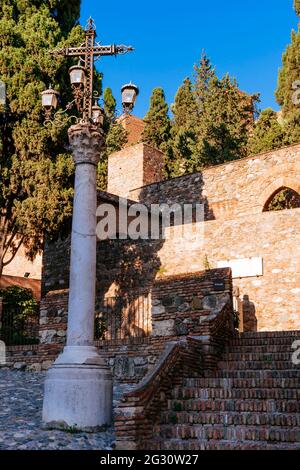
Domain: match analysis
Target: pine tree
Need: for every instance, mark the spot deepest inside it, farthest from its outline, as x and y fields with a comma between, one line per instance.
x=157, y=130
x=287, y=93
x=36, y=172
x=116, y=137
x=184, y=130
x=226, y=121
x=203, y=74
x=268, y=133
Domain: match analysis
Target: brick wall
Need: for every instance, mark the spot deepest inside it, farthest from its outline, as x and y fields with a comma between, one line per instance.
x=134, y=126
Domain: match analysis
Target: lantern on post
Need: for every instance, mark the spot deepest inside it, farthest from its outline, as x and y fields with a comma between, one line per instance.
x=129, y=94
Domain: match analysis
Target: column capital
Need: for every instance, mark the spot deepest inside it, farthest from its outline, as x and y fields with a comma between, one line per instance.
x=86, y=141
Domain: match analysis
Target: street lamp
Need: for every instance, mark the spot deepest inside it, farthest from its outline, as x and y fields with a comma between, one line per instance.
x=97, y=114
x=77, y=75
x=78, y=387
x=82, y=76
x=49, y=101
x=129, y=94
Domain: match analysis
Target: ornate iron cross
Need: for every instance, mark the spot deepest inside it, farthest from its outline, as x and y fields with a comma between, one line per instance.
x=86, y=53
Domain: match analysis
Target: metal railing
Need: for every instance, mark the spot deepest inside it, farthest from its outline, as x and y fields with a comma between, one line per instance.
x=120, y=318
x=18, y=328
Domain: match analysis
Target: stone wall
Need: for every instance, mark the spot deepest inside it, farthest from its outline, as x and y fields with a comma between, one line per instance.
x=180, y=305
x=235, y=189
x=133, y=167
x=235, y=227
x=274, y=236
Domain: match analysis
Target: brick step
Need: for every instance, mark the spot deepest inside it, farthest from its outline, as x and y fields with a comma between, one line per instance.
x=264, y=341
x=192, y=444
x=231, y=418
x=249, y=374
x=260, y=365
x=243, y=383
x=285, y=348
x=258, y=356
x=234, y=433
x=186, y=393
x=235, y=405
x=269, y=334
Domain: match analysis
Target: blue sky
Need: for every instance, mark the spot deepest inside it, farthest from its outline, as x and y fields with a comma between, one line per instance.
x=243, y=37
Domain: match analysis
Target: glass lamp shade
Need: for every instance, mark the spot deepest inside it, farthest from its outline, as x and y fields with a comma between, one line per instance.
x=77, y=75
x=129, y=94
x=97, y=115
x=50, y=98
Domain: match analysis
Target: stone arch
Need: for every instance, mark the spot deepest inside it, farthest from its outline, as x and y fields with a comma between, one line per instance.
x=290, y=182
x=283, y=198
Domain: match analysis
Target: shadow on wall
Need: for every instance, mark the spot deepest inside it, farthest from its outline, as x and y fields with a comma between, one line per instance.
x=126, y=269
x=249, y=315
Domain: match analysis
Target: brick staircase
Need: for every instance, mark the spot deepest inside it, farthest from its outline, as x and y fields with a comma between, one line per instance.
x=251, y=402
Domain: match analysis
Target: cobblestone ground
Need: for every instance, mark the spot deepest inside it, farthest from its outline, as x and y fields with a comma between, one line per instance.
x=21, y=398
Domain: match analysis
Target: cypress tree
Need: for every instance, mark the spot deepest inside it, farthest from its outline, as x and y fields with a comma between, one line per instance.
x=109, y=104
x=268, y=133
x=287, y=93
x=184, y=130
x=157, y=130
x=203, y=74
x=36, y=170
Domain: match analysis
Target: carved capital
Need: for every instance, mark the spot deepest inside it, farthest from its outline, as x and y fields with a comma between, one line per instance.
x=86, y=141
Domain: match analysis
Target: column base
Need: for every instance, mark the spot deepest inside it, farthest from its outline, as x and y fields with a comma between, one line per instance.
x=78, y=391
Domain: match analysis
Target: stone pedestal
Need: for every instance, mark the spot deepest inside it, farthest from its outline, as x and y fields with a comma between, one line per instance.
x=78, y=388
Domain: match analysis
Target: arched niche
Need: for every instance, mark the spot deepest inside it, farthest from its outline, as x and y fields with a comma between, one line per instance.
x=282, y=198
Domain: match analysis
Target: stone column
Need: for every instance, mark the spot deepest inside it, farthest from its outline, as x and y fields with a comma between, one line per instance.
x=78, y=388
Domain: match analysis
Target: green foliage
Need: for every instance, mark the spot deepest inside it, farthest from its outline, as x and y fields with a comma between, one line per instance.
x=203, y=74
x=268, y=133
x=226, y=121
x=109, y=104
x=284, y=199
x=184, y=129
x=212, y=121
x=100, y=327
x=206, y=263
x=297, y=6
x=288, y=78
x=15, y=296
x=36, y=170
x=19, y=307
x=157, y=130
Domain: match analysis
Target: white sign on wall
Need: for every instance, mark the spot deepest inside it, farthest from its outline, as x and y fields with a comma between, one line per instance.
x=245, y=267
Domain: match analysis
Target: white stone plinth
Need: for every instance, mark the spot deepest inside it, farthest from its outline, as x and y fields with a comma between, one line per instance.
x=78, y=395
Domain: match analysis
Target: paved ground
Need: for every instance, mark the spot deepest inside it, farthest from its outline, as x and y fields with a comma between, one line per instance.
x=20, y=418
